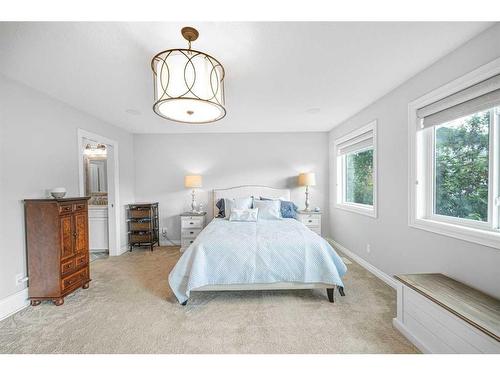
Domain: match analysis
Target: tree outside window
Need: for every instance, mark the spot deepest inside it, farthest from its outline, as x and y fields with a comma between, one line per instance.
x=359, y=177
x=462, y=167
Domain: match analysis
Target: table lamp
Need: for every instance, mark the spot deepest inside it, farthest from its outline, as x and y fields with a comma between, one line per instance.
x=307, y=179
x=193, y=182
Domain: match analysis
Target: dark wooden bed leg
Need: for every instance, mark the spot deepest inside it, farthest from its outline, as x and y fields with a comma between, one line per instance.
x=329, y=291
x=341, y=291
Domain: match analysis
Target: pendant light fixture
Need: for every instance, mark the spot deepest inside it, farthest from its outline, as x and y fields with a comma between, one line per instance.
x=188, y=84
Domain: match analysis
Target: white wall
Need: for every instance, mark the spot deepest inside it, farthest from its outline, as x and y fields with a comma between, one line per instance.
x=38, y=151
x=225, y=160
x=395, y=247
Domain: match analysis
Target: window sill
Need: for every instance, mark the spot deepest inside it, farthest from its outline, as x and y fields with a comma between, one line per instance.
x=484, y=237
x=359, y=209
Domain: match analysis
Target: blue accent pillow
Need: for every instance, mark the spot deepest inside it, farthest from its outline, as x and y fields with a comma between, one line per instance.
x=220, y=205
x=288, y=209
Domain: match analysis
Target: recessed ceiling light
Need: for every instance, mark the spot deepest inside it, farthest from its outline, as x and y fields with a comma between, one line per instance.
x=134, y=112
x=312, y=111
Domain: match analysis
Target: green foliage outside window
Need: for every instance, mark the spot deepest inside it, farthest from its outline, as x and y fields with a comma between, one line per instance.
x=461, y=167
x=359, y=177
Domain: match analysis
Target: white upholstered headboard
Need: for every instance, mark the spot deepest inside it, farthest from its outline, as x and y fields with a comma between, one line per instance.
x=246, y=191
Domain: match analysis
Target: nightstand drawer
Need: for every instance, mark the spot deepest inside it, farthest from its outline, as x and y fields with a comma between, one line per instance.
x=316, y=230
x=185, y=242
x=310, y=220
x=191, y=222
x=190, y=233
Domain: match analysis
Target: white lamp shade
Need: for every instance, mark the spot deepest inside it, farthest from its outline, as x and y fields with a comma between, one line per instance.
x=307, y=179
x=193, y=181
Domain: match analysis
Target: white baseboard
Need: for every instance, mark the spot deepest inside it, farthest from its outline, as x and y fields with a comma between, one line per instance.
x=363, y=263
x=13, y=303
x=401, y=328
x=170, y=243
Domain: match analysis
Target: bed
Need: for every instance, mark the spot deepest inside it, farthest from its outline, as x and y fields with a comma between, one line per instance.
x=262, y=255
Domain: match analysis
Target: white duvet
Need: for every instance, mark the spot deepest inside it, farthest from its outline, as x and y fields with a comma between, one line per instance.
x=266, y=251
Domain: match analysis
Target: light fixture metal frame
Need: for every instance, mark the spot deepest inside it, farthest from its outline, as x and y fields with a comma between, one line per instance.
x=162, y=57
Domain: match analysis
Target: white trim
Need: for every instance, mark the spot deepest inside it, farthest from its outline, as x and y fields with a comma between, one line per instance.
x=13, y=303
x=367, y=210
x=418, y=187
x=363, y=263
x=402, y=328
x=114, y=208
x=164, y=242
x=123, y=250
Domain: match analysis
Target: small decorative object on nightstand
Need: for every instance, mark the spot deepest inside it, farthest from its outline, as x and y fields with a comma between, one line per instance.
x=191, y=226
x=311, y=219
x=307, y=179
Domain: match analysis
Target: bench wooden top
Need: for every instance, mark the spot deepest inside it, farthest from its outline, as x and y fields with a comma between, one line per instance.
x=469, y=304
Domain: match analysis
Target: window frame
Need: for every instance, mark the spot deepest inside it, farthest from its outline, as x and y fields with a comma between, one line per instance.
x=422, y=164
x=340, y=166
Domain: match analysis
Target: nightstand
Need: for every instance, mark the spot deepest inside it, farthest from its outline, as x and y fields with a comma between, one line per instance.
x=191, y=226
x=311, y=219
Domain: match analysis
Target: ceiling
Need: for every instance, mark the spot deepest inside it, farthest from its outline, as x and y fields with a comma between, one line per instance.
x=280, y=77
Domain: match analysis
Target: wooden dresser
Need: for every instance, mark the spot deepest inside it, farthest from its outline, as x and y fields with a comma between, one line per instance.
x=57, y=242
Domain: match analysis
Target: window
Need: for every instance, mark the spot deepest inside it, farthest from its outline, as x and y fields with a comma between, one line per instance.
x=461, y=167
x=356, y=171
x=455, y=161
x=359, y=177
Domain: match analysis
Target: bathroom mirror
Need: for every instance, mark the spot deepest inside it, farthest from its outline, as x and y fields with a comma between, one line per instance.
x=97, y=176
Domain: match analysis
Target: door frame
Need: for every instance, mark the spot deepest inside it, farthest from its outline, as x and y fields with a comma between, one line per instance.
x=113, y=178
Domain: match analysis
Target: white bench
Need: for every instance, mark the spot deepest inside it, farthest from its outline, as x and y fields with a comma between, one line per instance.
x=441, y=315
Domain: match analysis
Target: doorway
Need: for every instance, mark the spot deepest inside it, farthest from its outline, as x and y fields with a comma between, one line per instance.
x=99, y=179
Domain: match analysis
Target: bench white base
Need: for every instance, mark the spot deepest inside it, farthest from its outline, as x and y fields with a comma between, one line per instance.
x=433, y=329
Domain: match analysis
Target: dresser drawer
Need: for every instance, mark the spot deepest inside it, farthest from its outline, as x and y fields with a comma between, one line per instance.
x=310, y=220
x=75, y=280
x=81, y=260
x=68, y=266
x=65, y=208
x=190, y=233
x=191, y=222
x=80, y=206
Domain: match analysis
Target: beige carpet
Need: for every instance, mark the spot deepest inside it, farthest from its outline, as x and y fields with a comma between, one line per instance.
x=129, y=308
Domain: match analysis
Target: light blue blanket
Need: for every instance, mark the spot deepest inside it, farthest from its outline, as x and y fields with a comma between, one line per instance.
x=266, y=251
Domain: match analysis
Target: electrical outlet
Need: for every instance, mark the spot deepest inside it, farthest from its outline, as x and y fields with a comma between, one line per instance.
x=164, y=232
x=368, y=248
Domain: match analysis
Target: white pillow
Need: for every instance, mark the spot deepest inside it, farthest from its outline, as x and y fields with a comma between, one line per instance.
x=268, y=210
x=247, y=214
x=236, y=203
